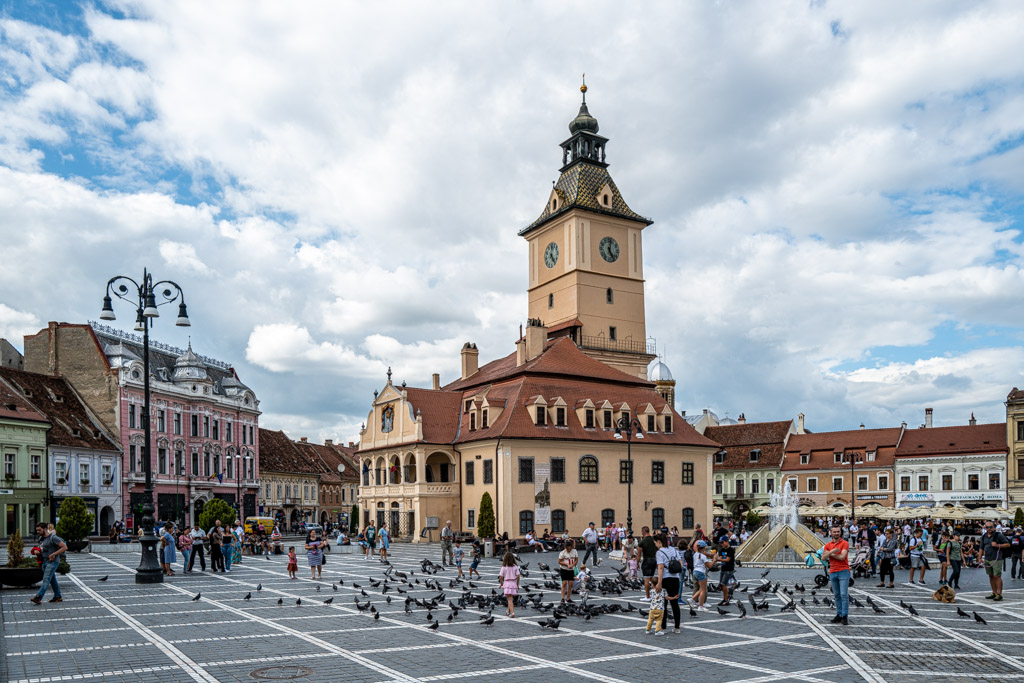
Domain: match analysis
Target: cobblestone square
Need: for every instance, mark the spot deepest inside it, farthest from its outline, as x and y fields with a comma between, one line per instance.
x=116, y=630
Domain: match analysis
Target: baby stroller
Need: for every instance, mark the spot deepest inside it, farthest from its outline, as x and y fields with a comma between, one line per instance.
x=860, y=563
x=822, y=580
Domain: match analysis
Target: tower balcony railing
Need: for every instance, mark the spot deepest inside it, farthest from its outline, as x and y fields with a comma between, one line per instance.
x=621, y=345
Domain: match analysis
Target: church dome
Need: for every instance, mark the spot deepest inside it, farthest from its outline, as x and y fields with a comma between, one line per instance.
x=659, y=372
x=583, y=121
x=189, y=366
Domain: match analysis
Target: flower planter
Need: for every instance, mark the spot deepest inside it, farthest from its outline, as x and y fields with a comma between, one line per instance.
x=84, y=482
x=21, y=577
x=108, y=482
x=77, y=546
x=61, y=482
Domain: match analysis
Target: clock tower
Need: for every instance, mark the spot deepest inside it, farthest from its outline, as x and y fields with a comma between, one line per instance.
x=586, y=256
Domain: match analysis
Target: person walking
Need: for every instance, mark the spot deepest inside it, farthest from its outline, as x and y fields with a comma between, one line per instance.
x=238, y=534
x=168, y=556
x=447, y=537
x=384, y=540
x=836, y=552
x=51, y=548
x=1016, y=546
x=216, y=549
x=992, y=549
x=185, y=545
x=567, y=560
x=727, y=561
x=887, y=557
x=590, y=539
x=700, y=575
x=198, y=537
x=227, y=550
x=370, y=538
x=314, y=555
x=916, y=547
x=941, y=547
x=954, y=551
x=648, y=561
x=508, y=579
x=670, y=578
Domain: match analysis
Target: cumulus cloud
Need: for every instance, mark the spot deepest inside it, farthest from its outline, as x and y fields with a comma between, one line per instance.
x=836, y=189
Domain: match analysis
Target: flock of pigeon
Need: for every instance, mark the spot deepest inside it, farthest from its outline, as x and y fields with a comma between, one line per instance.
x=532, y=596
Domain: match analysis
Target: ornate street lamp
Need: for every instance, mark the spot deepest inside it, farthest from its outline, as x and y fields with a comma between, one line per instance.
x=632, y=430
x=853, y=459
x=144, y=297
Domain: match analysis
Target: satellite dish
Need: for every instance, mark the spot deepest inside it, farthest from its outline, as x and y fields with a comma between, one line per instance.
x=341, y=467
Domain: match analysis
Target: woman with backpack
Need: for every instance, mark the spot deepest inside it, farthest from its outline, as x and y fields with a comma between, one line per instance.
x=670, y=578
x=185, y=546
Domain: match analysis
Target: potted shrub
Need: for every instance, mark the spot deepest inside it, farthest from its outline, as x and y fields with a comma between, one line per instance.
x=61, y=481
x=84, y=482
x=76, y=523
x=108, y=482
x=34, y=476
x=20, y=570
x=10, y=475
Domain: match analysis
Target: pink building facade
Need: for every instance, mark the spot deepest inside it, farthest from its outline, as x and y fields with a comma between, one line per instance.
x=204, y=429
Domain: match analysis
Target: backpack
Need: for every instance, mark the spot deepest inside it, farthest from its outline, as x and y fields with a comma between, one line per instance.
x=674, y=565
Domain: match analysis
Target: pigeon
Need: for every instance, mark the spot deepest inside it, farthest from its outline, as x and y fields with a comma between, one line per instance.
x=903, y=604
x=247, y=596
x=693, y=613
x=105, y=578
x=877, y=609
x=488, y=621
x=318, y=588
x=722, y=612
x=430, y=617
x=910, y=608
x=644, y=613
x=376, y=616
x=856, y=602
x=389, y=599
x=753, y=602
x=870, y=601
x=198, y=595
x=791, y=607
x=334, y=586
x=433, y=625
x=328, y=601
x=803, y=603
x=977, y=618
x=544, y=566
x=765, y=573
x=827, y=601
x=298, y=601
x=962, y=614
x=816, y=601
x=280, y=601
x=259, y=587
x=743, y=610
x=744, y=589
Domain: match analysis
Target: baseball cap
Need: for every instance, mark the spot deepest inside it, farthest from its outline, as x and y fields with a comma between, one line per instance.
x=702, y=544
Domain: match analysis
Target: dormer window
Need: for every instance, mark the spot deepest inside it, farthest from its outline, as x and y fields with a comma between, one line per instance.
x=650, y=423
x=805, y=458
x=607, y=419
x=542, y=416
x=755, y=455
x=838, y=458
x=469, y=406
x=604, y=200
x=719, y=457
x=554, y=204
x=589, y=418
x=560, y=416
x=483, y=419
x=870, y=456
x=472, y=421
x=668, y=423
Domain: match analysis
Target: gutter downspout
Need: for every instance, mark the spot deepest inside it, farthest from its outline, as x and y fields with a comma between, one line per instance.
x=497, y=485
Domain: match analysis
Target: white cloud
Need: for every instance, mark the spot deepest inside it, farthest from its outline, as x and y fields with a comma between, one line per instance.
x=333, y=205
x=14, y=325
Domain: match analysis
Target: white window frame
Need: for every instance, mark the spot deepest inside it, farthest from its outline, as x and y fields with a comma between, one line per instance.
x=808, y=483
x=840, y=480
x=794, y=484
x=878, y=480
x=471, y=518
x=805, y=458
x=867, y=482
x=60, y=471
x=928, y=479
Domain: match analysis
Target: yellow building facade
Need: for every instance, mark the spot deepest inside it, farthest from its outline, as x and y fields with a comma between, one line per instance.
x=540, y=429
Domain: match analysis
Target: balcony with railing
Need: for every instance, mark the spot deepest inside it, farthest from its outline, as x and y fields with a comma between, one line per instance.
x=602, y=343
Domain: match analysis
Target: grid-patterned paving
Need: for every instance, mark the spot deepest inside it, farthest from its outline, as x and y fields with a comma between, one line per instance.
x=119, y=631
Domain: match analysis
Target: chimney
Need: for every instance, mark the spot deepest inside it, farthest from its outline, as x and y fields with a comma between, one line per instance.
x=862, y=425
x=800, y=424
x=742, y=419
x=436, y=381
x=328, y=442
x=927, y=418
x=536, y=338
x=470, y=360
x=520, y=352
x=303, y=439
x=972, y=422
x=351, y=444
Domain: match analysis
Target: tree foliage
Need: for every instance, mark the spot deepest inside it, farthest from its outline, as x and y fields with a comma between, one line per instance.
x=353, y=520
x=753, y=519
x=214, y=510
x=15, y=549
x=1018, y=519
x=485, y=520
x=74, y=521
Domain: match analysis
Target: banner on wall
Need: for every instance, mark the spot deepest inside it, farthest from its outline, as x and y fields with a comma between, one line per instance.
x=542, y=494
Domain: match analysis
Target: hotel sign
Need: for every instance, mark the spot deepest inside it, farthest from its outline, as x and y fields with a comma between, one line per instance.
x=980, y=495
x=915, y=497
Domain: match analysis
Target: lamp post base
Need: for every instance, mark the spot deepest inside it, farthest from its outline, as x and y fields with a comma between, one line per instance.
x=149, y=570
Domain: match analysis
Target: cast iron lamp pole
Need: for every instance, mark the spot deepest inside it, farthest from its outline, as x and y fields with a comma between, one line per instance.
x=143, y=297
x=633, y=430
x=853, y=458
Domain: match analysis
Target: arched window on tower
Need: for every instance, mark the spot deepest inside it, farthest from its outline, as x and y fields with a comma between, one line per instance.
x=609, y=296
x=551, y=300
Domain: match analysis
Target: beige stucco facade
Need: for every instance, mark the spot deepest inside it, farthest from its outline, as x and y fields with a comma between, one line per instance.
x=1015, y=450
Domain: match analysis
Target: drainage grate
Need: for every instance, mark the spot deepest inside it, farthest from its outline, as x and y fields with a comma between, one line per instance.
x=281, y=673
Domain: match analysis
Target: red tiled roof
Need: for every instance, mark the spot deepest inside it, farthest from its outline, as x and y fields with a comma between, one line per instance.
x=957, y=440
x=1015, y=395
x=278, y=453
x=13, y=406
x=326, y=458
x=822, y=447
x=55, y=400
x=561, y=358
x=738, y=440
x=440, y=411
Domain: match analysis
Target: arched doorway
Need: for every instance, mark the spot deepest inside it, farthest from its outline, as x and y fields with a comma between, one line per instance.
x=106, y=520
x=197, y=510
x=323, y=519
x=294, y=518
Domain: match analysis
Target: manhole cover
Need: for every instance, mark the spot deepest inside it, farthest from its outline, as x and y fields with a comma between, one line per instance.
x=281, y=673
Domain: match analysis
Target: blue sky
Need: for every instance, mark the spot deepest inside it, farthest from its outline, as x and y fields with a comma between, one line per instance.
x=836, y=189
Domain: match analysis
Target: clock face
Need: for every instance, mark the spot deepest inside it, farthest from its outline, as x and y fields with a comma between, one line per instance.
x=609, y=249
x=551, y=255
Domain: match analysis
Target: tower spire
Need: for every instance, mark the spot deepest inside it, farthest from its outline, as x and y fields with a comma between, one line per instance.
x=583, y=89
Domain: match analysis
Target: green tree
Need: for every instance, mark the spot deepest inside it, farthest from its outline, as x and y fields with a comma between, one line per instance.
x=15, y=549
x=353, y=520
x=1018, y=519
x=753, y=519
x=214, y=510
x=485, y=520
x=75, y=522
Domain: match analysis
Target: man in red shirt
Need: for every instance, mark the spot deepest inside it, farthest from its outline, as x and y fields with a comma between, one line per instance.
x=836, y=552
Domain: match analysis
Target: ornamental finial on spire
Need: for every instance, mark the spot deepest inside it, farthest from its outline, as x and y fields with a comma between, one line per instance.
x=583, y=88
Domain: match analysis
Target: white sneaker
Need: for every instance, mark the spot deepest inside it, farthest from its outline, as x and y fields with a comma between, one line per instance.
x=659, y=633
x=647, y=631
x=690, y=602
x=702, y=608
